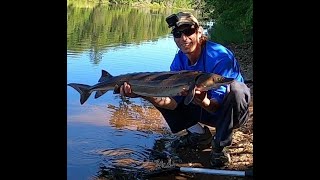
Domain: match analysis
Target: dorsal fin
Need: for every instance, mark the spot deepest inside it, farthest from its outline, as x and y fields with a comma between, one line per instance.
x=104, y=76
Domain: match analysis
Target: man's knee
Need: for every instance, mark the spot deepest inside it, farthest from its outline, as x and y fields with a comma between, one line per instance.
x=240, y=91
x=239, y=87
x=240, y=96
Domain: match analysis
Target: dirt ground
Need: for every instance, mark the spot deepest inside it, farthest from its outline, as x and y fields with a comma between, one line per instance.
x=241, y=150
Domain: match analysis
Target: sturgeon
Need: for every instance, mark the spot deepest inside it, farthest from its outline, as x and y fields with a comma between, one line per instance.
x=154, y=84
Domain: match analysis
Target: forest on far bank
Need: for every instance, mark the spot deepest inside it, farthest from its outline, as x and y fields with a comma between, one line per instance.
x=237, y=15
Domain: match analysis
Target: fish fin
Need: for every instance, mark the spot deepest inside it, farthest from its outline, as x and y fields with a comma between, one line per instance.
x=104, y=76
x=99, y=93
x=116, y=89
x=190, y=95
x=83, y=90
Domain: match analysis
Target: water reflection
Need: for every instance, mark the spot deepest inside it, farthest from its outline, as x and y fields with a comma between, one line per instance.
x=101, y=27
x=144, y=118
x=125, y=116
x=125, y=163
x=121, y=136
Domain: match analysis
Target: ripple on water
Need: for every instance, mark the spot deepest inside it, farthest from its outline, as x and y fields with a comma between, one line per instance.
x=133, y=162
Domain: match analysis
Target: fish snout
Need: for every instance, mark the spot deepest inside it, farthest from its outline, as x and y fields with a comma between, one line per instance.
x=225, y=80
x=221, y=81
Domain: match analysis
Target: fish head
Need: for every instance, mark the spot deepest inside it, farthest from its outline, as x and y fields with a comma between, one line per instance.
x=212, y=81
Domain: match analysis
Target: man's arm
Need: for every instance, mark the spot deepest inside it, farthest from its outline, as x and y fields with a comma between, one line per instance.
x=162, y=102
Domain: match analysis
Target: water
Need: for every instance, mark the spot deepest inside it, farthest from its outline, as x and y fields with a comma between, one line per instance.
x=108, y=137
x=107, y=133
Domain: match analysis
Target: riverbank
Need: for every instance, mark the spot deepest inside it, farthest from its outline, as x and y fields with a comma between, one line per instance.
x=244, y=54
x=242, y=147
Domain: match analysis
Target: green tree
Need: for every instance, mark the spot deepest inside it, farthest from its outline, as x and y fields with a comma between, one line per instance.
x=234, y=14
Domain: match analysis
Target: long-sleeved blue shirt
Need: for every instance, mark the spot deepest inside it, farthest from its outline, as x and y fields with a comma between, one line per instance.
x=214, y=58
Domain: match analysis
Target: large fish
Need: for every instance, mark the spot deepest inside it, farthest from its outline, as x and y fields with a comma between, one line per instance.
x=154, y=84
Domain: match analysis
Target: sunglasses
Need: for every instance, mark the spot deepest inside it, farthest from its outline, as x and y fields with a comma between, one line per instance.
x=188, y=32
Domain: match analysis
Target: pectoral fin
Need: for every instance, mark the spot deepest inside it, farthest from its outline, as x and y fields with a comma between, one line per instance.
x=116, y=89
x=190, y=95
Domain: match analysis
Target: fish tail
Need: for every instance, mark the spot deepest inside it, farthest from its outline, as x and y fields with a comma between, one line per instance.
x=83, y=89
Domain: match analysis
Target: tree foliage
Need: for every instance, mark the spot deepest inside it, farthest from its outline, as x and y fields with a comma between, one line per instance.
x=234, y=14
x=107, y=25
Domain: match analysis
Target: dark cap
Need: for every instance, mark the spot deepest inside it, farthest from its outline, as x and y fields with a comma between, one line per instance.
x=186, y=18
x=181, y=18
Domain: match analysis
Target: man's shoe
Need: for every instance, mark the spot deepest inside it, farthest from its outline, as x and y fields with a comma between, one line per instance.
x=219, y=159
x=194, y=140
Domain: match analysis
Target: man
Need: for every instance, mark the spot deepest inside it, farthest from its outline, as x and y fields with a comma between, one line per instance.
x=225, y=108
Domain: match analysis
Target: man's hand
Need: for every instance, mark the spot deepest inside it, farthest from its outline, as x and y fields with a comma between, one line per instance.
x=162, y=101
x=201, y=98
x=184, y=92
x=125, y=90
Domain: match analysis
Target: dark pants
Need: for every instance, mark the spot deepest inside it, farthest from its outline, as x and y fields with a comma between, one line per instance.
x=233, y=113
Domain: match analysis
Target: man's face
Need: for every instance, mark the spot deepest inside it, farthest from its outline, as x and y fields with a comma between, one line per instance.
x=187, y=38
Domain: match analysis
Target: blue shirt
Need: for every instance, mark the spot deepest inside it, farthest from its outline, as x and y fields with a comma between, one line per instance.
x=214, y=58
